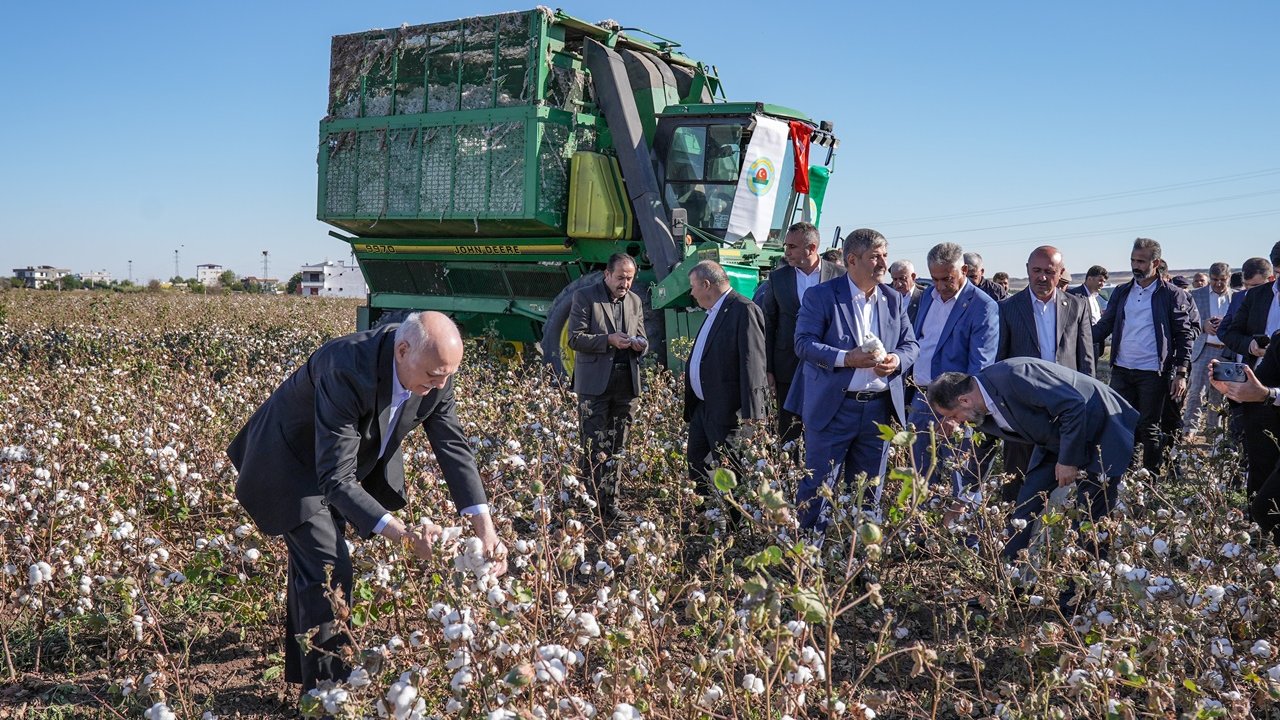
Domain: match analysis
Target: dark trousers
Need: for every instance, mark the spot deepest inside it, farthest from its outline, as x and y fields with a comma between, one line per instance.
x=941, y=460
x=1095, y=496
x=1147, y=391
x=849, y=445
x=790, y=429
x=708, y=442
x=1264, y=506
x=314, y=546
x=604, y=421
x=1017, y=462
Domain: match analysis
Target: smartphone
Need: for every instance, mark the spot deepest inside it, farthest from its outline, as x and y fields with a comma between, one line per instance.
x=1229, y=372
x=1262, y=341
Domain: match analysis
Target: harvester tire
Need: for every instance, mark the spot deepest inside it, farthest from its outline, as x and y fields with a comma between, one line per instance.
x=553, y=329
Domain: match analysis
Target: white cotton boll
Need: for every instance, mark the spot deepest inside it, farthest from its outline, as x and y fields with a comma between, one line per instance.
x=796, y=627
x=453, y=706
x=38, y=573
x=461, y=658
x=359, y=677
x=623, y=711
x=1105, y=618
x=242, y=531
x=752, y=684
x=450, y=534
x=400, y=697
x=1273, y=673
x=1160, y=547
x=588, y=624
x=1261, y=649
x=1231, y=550
x=461, y=679
x=901, y=633
x=711, y=695
x=497, y=597
x=1221, y=648
x=159, y=711
x=458, y=631
x=1018, y=524
x=252, y=555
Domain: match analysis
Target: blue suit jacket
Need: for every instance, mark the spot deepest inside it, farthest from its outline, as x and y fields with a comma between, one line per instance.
x=970, y=338
x=823, y=329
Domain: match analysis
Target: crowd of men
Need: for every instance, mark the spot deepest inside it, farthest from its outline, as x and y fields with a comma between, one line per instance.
x=835, y=353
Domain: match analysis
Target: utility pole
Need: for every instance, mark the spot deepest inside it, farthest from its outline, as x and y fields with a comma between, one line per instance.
x=264, y=264
x=175, y=262
x=130, y=271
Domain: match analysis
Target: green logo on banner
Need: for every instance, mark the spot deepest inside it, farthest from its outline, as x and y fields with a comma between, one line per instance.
x=760, y=178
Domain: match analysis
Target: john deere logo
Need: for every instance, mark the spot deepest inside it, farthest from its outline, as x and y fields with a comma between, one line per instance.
x=761, y=175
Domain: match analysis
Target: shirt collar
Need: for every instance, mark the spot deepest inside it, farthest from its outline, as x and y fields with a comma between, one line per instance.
x=937, y=297
x=992, y=408
x=1042, y=303
x=857, y=292
x=398, y=392
x=716, y=308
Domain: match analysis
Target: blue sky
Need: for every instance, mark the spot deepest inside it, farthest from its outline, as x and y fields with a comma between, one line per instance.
x=134, y=129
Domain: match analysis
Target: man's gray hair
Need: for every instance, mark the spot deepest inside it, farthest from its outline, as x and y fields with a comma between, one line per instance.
x=1255, y=266
x=901, y=265
x=808, y=231
x=946, y=389
x=1148, y=244
x=412, y=332
x=710, y=271
x=617, y=259
x=972, y=259
x=949, y=254
x=861, y=240
x=1219, y=269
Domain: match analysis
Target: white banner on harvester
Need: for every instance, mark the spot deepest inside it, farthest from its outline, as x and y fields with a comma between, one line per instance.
x=757, y=191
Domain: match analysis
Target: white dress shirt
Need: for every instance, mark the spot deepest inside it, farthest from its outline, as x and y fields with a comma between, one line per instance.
x=930, y=330
x=993, y=409
x=1046, y=317
x=399, y=394
x=1095, y=308
x=866, y=314
x=1138, y=349
x=1273, y=315
x=805, y=280
x=1217, y=308
x=700, y=345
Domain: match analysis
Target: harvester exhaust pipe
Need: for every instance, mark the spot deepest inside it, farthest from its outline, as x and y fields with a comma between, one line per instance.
x=613, y=93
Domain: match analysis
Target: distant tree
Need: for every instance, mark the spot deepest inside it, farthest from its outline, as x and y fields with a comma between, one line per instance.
x=251, y=287
x=196, y=287
x=71, y=282
x=155, y=285
x=295, y=283
x=16, y=282
x=227, y=278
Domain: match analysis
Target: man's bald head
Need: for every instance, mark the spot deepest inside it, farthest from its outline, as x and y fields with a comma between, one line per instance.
x=1044, y=268
x=428, y=351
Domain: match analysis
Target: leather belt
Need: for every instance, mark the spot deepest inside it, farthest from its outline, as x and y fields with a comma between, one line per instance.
x=864, y=395
x=1217, y=345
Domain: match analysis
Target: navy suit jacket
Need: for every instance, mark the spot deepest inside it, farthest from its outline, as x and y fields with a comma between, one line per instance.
x=1247, y=319
x=315, y=441
x=971, y=336
x=1069, y=414
x=823, y=329
x=1175, y=318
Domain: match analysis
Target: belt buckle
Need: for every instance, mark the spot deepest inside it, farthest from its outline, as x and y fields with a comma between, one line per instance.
x=864, y=396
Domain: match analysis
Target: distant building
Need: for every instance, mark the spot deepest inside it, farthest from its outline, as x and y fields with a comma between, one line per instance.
x=40, y=275
x=96, y=276
x=332, y=279
x=208, y=274
x=267, y=284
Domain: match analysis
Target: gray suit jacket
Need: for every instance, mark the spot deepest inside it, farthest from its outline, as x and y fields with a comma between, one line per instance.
x=590, y=324
x=781, y=305
x=1069, y=414
x=1019, y=338
x=314, y=443
x=732, y=371
x=1202, y=297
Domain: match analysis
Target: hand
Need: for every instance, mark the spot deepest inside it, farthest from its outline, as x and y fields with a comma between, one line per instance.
x=494, y=549
x=621, y=341
x=1066, y=474
x=948, y=426
x=1251, y=390
x=639, y=344
x=1178, y=387
x=1213, y=325
x=888, y=365
x=421, y=539
x=773, y=382
x=1256, y=351
x=857, y=358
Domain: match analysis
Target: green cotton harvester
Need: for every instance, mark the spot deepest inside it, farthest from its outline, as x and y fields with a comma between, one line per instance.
x=488, y=167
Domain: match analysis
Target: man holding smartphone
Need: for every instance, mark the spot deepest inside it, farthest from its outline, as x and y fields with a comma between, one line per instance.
x=1256, y=318
x=1258, y=391
x=1212, y=301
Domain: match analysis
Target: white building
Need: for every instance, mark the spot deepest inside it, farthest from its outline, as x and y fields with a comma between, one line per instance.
x=96, y=276
x=333, y=279
x=38, y=276
x=208, y=274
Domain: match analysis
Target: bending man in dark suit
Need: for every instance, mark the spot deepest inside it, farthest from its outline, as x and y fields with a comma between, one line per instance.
x=323, y=452
x=854, y=341
x=1153, y=325
x=1045, y=322
x=1077, y=425
x=606, y=330
x=725, y=382
x=780, y=303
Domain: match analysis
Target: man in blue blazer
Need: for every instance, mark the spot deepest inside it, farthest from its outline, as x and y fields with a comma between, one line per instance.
x=854, y=342
x=958, y=330
x=1082, y=431
x=1153, y=325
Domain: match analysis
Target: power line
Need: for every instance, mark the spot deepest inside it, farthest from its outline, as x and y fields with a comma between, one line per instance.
x=1085, y=199
x=1096, y=215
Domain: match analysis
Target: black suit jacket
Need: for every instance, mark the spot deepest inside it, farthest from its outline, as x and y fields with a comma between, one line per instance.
x=1248, y=320
x=315, y=441
x=1175, y=319
x=1019, y=337
x=781, y=305
x=913, y=305
x=590, y=323
x=732, y=371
